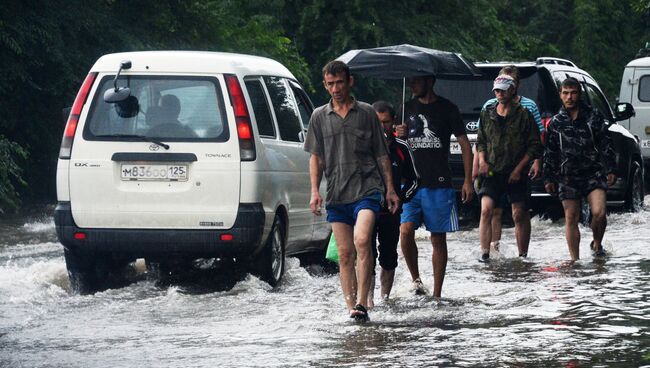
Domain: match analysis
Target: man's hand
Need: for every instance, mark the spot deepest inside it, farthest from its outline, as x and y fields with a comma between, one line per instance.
x=316, y=203
x=467, y=192
x=611, y=179
x=514, y=177
x=550, y=188
x=400, y=130
x=393, y=201
x=535, y=170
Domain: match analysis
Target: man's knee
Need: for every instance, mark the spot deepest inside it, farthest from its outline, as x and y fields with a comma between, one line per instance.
x=407, y=229
x=487, y=212
x=598, y=214
x=520, y=213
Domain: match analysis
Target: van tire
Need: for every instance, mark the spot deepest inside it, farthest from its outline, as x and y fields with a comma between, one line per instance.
x=81, y=272
x=269, y=263
x=88, y=273
x=634, y=193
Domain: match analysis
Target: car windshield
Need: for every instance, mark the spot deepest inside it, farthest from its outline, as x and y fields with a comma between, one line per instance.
x=159, y=107
x=471, y=94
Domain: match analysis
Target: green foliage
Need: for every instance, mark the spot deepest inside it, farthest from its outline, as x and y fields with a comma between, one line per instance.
x=10, y=174
x=46, y=48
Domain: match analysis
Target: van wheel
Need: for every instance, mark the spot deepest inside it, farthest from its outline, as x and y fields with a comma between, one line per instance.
x=82, y=272
x=634, y=194
x=88, y=273
x=269, y=263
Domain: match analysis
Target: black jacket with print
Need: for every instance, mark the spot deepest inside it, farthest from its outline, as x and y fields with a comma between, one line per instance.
x=580, y=148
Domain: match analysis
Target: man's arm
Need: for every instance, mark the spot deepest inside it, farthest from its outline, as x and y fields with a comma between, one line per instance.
x=604, y=141
x=467, y=192
x=386, y=170
x=551, y=169
x=316, y=167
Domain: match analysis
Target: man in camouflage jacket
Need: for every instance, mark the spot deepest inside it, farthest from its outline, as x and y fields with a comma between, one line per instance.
x=578, y=162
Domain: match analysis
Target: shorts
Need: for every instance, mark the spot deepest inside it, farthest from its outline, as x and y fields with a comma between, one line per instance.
x=577, y=188
x=347, y=213
x=497, y=186
x=435, y=207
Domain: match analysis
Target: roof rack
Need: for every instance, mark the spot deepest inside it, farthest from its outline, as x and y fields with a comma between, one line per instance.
x=554, y=60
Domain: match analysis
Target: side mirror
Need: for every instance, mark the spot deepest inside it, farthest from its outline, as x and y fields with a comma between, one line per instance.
x=623, y=111
x=118, y=94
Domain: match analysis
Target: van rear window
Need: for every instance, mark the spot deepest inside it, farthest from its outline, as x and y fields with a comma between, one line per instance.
x=165, y=108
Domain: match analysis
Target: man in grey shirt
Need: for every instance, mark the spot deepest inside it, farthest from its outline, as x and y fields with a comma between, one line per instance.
x=347, y=143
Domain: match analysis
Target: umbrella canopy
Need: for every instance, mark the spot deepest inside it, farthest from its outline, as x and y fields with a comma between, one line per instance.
x=400, y=61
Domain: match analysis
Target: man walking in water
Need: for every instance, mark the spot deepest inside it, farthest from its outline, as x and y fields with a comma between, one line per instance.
x=507, y=141
x=405, y=180
x=579, y=162
x=347, y=143
x=430, y=120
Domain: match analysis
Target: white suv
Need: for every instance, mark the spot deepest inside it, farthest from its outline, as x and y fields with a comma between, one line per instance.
x=173, y=156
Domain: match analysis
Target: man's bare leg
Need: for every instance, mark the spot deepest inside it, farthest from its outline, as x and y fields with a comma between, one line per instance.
x=485, y=223
x=343, y=234
x=521, y=218
x=386, y=278
x=438, y=261
x=497, y=225
x=363, y=231
x=409, y=248
x=572, y=233
x=597, y=202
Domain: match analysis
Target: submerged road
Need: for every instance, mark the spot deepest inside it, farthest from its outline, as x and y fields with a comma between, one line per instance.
x=542, y=311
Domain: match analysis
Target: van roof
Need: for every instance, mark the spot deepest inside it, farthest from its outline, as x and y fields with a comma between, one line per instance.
x=191, y=62
x=644, y=61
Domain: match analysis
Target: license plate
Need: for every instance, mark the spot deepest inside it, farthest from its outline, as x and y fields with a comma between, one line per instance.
x=154, y=172
x=645, y=143
x=454, y=147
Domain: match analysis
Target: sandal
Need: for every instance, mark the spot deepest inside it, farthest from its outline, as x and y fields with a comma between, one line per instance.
x=359, y=313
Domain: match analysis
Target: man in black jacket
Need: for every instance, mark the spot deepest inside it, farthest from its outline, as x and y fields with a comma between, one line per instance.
x=405, y=181
x=578, y=162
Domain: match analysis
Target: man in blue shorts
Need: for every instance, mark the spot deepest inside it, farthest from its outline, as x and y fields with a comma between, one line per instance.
x=430, y=120
x=347, y=144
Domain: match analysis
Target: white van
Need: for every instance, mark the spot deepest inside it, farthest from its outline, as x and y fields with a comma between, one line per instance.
x=173, y=156
x=635, y=89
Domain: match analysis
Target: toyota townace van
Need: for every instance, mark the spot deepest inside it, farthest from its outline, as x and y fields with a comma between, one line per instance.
x=173, y=156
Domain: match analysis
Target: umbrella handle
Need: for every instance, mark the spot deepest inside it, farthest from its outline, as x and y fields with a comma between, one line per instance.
x=403, y=97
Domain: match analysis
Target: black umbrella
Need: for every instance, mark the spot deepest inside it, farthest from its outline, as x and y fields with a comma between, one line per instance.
x=400, y=61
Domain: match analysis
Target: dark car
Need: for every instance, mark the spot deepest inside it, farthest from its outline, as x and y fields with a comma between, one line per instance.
x=540, y=81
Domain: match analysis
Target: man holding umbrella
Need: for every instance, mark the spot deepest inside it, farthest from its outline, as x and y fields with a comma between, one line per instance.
x=347, y=143
x=429, y=122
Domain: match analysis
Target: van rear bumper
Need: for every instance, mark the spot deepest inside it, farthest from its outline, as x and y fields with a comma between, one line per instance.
x=246, y=237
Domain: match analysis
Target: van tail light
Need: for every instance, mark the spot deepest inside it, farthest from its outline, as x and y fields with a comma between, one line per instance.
x=545, y=122
x=73, y=119
x=242, y=118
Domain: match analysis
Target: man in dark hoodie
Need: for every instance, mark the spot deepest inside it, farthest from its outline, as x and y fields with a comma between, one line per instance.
x=579, y=162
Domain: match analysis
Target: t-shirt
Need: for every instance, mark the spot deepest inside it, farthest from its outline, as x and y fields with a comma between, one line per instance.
x=430, y=127
x=350, y=148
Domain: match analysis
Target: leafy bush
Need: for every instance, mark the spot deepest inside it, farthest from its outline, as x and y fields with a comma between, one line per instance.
x=10, y=174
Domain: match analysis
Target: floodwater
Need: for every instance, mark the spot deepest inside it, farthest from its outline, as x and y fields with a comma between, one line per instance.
x=539, y=312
